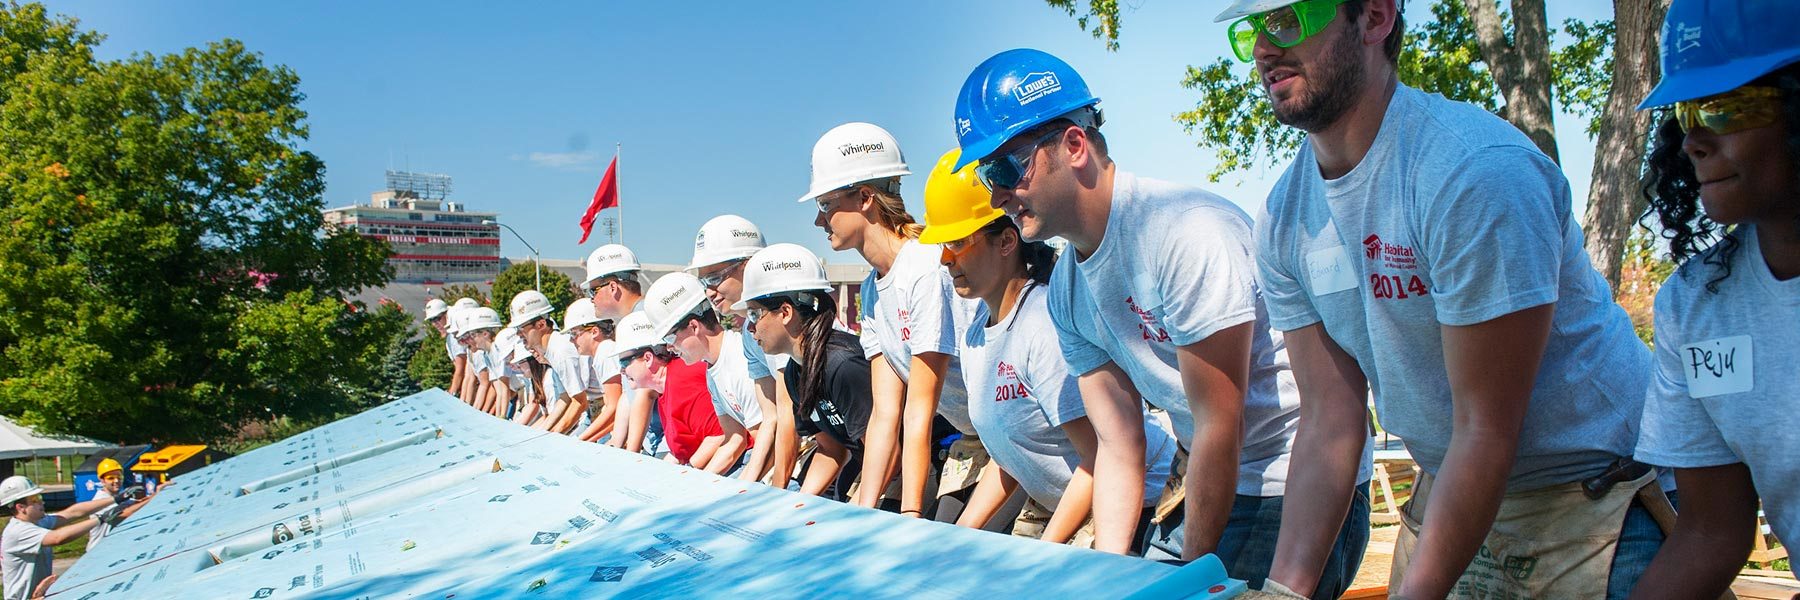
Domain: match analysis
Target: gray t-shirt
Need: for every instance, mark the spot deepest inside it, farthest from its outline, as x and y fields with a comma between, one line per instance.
x=26, y=561
x=1726, y=381
x=1024, y=394
x=914, y=309
x=1455, y=218
x=1175, y=268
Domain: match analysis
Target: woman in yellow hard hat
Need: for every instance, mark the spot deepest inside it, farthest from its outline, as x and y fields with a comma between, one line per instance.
x=1024, y=402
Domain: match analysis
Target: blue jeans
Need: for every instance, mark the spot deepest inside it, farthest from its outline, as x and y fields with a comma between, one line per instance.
x=1638, y=543
x=1247, y=546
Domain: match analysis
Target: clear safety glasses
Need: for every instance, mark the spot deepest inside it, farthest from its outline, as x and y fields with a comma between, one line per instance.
x=1006, y=170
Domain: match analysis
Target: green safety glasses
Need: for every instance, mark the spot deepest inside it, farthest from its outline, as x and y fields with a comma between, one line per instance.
x=1747, y=107
x=1286, y=26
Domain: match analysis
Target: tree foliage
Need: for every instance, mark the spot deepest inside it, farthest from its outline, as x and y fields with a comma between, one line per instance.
x=429, y=366
x=1233, y=119
x=522, y=276
x=1100, y=17
x=162, y=264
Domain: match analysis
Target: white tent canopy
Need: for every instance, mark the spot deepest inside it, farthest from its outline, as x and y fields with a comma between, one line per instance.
x=19, y=441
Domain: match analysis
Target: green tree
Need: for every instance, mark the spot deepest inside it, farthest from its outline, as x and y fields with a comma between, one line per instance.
x=1471, y=51
x=163, y=266
x=522, y=276
x=429, y=367
x=457, y=291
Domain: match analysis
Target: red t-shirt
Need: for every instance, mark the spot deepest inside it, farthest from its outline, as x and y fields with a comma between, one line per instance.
x=686, y=409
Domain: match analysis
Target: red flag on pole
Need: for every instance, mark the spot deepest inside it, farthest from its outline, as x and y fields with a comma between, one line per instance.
x=606, y=196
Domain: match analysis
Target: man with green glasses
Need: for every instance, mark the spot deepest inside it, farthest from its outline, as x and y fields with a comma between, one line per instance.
x=1424, y=249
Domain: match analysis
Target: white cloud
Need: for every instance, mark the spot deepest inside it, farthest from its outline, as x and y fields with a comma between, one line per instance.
x=562, y=160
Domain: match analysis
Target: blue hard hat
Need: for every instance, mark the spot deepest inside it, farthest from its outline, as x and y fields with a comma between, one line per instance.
x=1011, y=92
x=1715, y=46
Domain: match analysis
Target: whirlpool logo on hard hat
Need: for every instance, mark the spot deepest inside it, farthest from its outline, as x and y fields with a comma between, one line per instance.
x=672, y=297
x=739, y=233
x=859, y=148
x=786, y=265
x=1036, y=85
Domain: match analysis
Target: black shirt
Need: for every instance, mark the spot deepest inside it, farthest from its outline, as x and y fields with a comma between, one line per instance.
x=843, y=409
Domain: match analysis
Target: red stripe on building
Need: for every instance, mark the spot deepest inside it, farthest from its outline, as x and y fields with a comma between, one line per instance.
x=442, y=257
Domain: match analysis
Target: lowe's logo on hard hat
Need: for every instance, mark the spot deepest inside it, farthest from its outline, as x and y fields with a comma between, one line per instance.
x=1687, y=38
x=849, y=149
x=1036, y=85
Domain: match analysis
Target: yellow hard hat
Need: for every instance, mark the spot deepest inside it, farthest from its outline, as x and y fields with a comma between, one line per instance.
x=108, y=465
x=956, y=204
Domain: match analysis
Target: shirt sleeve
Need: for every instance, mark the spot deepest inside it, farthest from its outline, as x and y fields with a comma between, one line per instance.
x=27, y=542
x=1205, y=277
x=753, y=357
x=1677, y=430
x=571, y=374
x=1494, y=235
x=1080, y=355
x=453, y=348
x=1289, y=306
x=1048, y=379
x=931, y=314
x=847, y=383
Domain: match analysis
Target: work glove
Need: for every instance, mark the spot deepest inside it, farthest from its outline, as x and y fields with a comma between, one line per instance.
x=135, y=492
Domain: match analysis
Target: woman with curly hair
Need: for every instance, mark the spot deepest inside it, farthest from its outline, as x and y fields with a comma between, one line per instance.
x=1724, y=183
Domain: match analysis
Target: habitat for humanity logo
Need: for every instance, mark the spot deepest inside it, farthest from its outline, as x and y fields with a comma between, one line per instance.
x=1036, y=85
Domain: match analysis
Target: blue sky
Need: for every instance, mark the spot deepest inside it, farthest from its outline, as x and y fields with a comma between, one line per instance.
x=716, y=104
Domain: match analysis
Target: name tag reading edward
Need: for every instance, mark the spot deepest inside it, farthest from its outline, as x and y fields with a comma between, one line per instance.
x=1328, y=271
x=1717, y=367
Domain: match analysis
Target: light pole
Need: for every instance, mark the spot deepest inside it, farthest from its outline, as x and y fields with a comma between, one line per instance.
x=537, y=262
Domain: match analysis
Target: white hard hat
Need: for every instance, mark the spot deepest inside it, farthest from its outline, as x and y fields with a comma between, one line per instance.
x=466, y=303
x=635, y=333
x=725, y=237
x=581, y=312
x=611, y=259
x=434, y=308
x=782, y=268
x=1242, y=8
x=518, y=351
x=17, y=488
x=506, y=342
x=477, y=319
x=853, y=153
x=453, y=323
x=528, y=305
x=673, y=297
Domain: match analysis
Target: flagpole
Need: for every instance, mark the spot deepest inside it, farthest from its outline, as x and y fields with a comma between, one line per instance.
x=618, y=148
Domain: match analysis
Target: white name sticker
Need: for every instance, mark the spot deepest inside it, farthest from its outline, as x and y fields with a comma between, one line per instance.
x=1328, y=271
x=1716, y=367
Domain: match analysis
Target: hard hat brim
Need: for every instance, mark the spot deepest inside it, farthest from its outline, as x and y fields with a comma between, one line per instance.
x=1699, y=82
x=35, y=490
x=950, y=232
x=820, y=188
x=528, y=317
